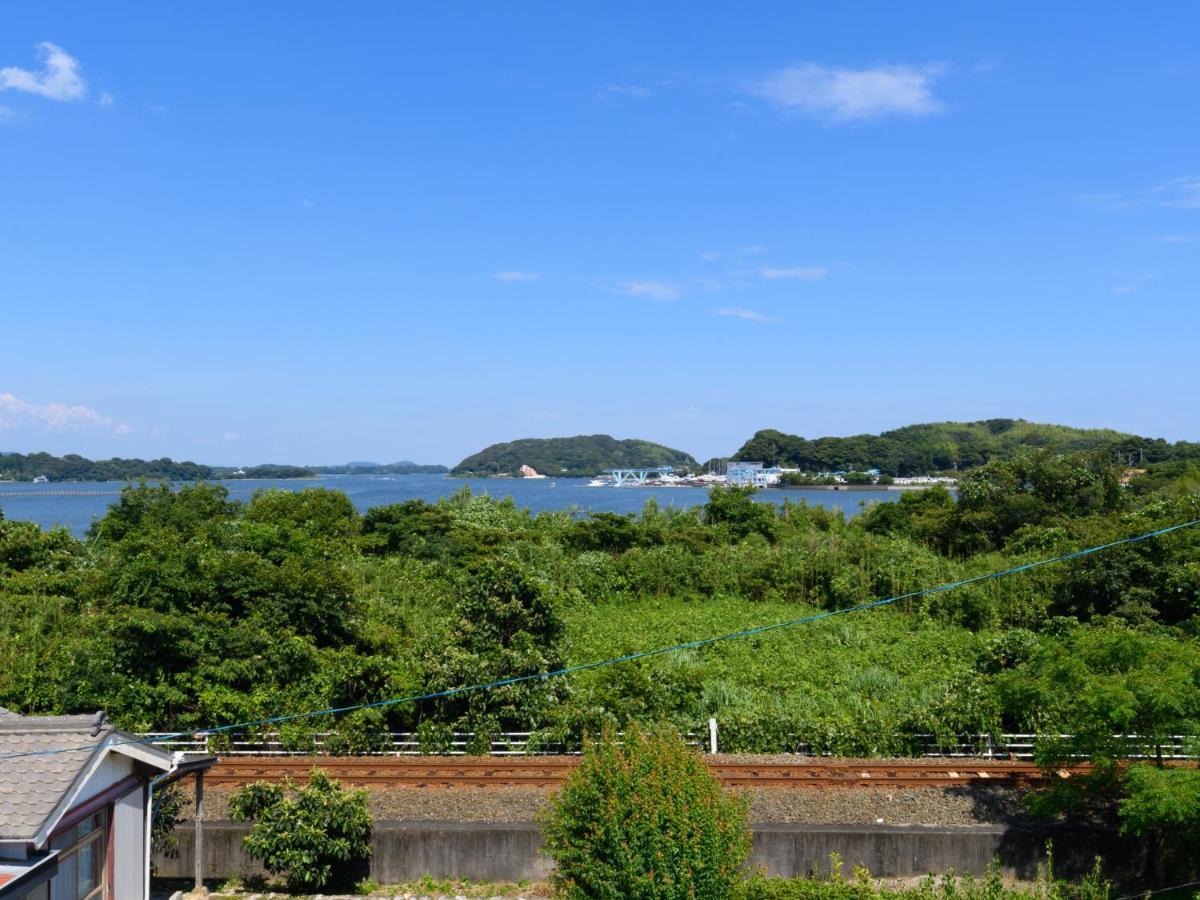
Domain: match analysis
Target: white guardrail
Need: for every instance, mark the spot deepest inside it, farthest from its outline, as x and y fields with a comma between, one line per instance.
x=527, y=743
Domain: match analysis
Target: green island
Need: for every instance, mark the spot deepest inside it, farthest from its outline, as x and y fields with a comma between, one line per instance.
x=72, y=467
x=948, y=446
x=581, y=456
x=183, y=609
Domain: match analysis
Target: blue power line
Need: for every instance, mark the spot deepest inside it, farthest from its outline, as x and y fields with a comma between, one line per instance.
x=629, y=657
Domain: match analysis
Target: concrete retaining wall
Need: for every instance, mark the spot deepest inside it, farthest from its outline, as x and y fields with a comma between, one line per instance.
x=405, y=851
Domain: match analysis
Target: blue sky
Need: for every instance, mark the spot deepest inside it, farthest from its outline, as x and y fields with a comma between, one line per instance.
x=314, y=232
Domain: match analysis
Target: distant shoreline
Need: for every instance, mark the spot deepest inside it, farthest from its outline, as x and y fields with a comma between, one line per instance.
x=856, y=487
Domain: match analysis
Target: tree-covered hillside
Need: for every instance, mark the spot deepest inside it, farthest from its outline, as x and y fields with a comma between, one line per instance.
x=72, y=467
x=404, y=467
x=581, y=455
x=941, y=446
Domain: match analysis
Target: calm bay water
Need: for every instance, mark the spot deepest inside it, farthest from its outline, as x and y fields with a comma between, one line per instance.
x=76, y=504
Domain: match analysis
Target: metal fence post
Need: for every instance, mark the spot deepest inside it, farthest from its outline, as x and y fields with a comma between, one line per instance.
x=712, y=735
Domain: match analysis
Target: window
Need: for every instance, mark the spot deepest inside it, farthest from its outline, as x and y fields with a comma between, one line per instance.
x=81, y=862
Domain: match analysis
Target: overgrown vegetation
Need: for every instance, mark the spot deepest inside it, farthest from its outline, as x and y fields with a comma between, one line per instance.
x=644, y=818
x=183, y=609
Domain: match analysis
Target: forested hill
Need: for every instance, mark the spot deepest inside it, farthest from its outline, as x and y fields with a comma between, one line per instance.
x=941, y=446
x=578, y=456
x=404, y=467
x=72, y=467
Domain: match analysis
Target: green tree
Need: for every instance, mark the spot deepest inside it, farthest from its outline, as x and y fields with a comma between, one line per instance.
x=1163, y=806
x=644, y=818
x=311, y=834
x=505, y=624
x=735, y=510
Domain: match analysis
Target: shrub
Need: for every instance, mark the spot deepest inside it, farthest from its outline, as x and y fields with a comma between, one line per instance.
x=645, y=818
x=313, y=835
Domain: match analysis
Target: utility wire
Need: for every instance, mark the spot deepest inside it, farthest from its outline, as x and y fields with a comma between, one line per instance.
x=1174, y=887
x=629, y=657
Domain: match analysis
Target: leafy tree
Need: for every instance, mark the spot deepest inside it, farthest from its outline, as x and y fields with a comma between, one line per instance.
x=311, y=834
x=644, y=818
x=506, y=624
x=1163, y=806
x=735, y=510
x=413, y=528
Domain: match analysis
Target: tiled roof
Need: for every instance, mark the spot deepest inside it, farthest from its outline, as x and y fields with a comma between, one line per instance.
x=31, y=786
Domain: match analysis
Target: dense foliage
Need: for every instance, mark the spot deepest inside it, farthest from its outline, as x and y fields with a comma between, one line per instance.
x=575, y=456
x=943, y=446
x=645, y=818
x=313, y=834
x=72, y=467
x=184, y=609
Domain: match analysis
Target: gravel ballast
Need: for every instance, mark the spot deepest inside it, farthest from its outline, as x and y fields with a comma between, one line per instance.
x=968, y=805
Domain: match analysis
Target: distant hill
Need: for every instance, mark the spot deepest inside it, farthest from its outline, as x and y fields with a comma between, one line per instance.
x=404, y=467
x=266, y=470
x=583, y=455
x=72, y=467
x=943, y=446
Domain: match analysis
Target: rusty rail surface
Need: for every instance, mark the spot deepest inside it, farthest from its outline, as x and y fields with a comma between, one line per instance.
x=549, y=772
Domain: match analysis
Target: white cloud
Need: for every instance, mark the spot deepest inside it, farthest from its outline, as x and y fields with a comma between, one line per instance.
x=106, y=99
x=7, y=115
x=632, y=91
x=1175, y=193
x=58, y=79
x=709, y=255
x=16, y=413
x=836, y=94
x=516, y=276
x=1128, y=282
x=653, y=290
x=1175, y=239
x=740, y=312
x=804, y=273
x=753, y=248
x=1183, y=193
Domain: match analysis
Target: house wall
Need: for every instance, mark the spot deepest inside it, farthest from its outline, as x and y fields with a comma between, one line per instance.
x=129, y=824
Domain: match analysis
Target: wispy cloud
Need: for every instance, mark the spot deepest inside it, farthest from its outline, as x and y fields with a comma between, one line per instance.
x=740, y=312
x=837, y=95
x=58, y=79
x=651, y=290
x=106, y=99
x=753, y=248
x=709, y=255
x=804, y=273
x=1175, y=238
x=516, y=276
x=1183, y=193
x=629, y=91
x=16, y=413
x=1174, y=193
x=1128, y=282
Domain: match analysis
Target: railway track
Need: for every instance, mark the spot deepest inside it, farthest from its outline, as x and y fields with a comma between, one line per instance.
x=550, y=771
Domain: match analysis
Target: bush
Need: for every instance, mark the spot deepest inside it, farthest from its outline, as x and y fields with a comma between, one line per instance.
x=313, y=835
x=645, y=818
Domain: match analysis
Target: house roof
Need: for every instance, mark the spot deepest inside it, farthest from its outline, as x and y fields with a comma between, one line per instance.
x=35, y=783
